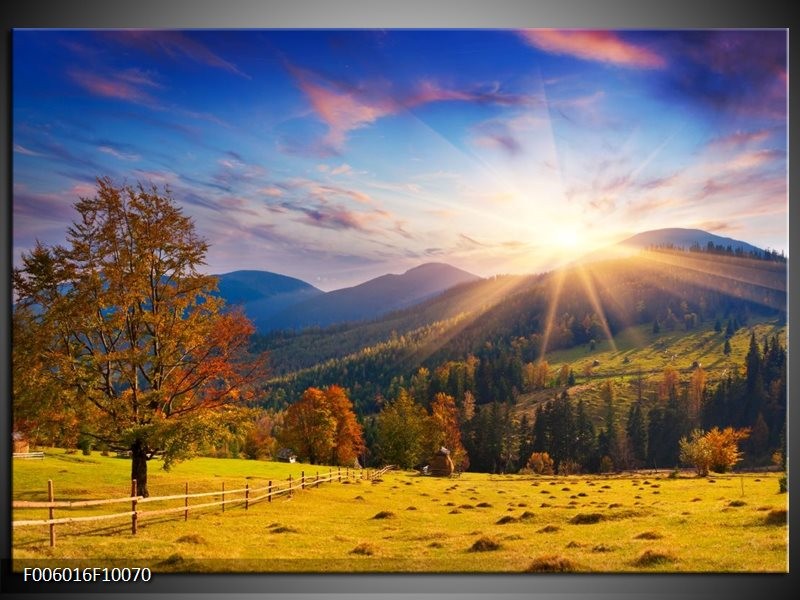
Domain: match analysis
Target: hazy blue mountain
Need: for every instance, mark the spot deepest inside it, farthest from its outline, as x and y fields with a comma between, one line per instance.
x=371, y=299
x=263, y=294
x=685, y=238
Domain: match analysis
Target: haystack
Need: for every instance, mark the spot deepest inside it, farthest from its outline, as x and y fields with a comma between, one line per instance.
x=441, y=464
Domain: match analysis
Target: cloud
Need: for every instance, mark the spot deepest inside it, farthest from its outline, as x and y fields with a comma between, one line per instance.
x=599, y=46
x=332, y=217
x=736, y=71
x=752, y=160
x=119, y=154
x=343, y=169
x=718, y=227
x=495, y=134
x=737, y=139
x=344, y=108
x=177, y=45
x=272, y=191
x=20, y=149
x=113, y=86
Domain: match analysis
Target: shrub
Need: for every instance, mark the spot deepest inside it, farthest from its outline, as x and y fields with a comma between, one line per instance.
x=716, y=450
x=782, y=485
x=541, y=463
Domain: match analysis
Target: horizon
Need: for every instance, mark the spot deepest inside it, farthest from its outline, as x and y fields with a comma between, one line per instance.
x=337, y=156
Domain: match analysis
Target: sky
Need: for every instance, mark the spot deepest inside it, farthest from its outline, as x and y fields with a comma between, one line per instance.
x=338, y=156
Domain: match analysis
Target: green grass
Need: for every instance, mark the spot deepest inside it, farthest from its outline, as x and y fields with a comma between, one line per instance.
x=691, y=524
x=649, y=354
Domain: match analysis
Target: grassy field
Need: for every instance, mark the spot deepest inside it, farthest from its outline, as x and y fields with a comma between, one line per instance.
x=638, y=350
x=406, y=522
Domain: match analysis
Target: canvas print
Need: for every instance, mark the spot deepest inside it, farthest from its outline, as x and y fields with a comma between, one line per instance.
x=448, y=301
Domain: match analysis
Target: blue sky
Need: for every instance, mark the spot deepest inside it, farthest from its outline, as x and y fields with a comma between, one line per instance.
x=337, y=156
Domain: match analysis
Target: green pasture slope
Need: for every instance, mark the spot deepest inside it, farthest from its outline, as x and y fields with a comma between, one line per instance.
x=638, y=351
x=409, y=523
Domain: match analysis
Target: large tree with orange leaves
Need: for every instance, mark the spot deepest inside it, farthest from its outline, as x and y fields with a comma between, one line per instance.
x=131, y=332
x=322, y=427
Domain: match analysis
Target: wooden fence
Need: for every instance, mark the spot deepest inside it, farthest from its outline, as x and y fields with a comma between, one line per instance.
x=246, y=497
x=36, y=455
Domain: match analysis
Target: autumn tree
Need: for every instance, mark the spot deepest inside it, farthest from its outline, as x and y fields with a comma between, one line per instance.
x=697, y=388
x=309, y=427
x=540, y=463
x=716, y=450
x=348, y=439
x=322, y=427
x=131, y=332
x=444, y=416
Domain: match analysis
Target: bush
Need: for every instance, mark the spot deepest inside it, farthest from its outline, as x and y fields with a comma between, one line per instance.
x=541, y=463
x=782, y=485
x=716, y=450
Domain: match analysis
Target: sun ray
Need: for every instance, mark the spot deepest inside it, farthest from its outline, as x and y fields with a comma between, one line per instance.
x=555, y=297
x=591, y=293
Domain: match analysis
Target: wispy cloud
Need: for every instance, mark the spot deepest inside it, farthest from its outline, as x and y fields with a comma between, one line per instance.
x=20, y=149
x=176, y=45
x=344, y=108
x=598, y=46
x=127, y=156
x=331, y=217
x=738, y=139
x=114, y=86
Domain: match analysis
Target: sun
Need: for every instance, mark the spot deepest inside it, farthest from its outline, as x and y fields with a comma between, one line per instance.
x=567, y=238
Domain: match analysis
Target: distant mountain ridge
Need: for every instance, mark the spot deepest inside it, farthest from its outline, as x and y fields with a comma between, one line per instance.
x=685, y=238
x=274, y=301
x=263, y=294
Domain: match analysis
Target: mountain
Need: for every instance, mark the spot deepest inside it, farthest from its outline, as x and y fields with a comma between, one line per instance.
x=686, y=238
x=505, y=322
x=263, y=294
x=372, y=298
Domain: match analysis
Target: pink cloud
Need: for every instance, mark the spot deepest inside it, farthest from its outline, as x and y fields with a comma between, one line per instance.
x=346, y=108
x=176, y=44
x=272, y=191
x=738, y=139
x=600, y=46
x=112, y=87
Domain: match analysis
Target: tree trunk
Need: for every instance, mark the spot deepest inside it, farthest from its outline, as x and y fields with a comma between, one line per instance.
x=139, y=467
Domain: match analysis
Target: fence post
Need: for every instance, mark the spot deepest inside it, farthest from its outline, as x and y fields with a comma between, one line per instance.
x=302, y=480
x=223, y=496
x=340, y=474
x=133, y=506
x=347, y=473
x=316, y=481
x=246, y=496
x=269, y=491
x=330, y=474
x=51, y=512
x=186, y=502
x=290, y=485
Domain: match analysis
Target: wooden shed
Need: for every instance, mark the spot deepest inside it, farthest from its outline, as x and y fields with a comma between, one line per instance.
x=286, y=455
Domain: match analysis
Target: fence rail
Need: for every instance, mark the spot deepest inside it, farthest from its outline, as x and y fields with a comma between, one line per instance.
x=37, y=455
x=246, y=496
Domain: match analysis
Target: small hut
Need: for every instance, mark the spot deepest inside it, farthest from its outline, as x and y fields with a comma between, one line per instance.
x=441, y=464
x=286, y=455
x=21, y=444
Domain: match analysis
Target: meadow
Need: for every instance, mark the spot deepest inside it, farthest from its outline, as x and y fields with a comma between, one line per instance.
x=638, y=352
x=404, y=522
